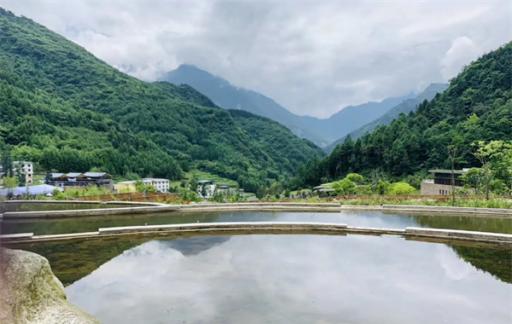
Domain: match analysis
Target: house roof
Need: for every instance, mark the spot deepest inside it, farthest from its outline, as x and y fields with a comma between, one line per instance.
x=447, y=171
x=73, y=174
x=154, y=179
x=56, y=175
x=95, y=174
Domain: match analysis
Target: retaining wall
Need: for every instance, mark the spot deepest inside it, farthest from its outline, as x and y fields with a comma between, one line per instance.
x=265, y=227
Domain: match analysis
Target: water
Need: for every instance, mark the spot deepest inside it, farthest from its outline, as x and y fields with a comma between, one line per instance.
x=285, y=279
x=352, y=218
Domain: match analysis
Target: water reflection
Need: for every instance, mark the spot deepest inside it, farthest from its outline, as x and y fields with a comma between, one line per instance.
x=292, y=278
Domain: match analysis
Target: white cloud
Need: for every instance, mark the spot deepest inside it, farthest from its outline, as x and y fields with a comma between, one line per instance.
x=313, y=57
x=461, y=53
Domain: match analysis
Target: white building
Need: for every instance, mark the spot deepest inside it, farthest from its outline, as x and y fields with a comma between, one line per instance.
x=206, y=188
x=24, y=168
x=160, y=185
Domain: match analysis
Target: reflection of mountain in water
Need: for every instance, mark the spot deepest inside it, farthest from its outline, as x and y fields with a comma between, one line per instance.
x=75, y=260
x=195, y=245
x=495, y=260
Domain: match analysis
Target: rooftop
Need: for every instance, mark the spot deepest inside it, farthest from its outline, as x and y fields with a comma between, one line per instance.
x=448, y=171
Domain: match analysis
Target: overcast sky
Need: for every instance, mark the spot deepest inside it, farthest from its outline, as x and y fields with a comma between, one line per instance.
x=313, y=57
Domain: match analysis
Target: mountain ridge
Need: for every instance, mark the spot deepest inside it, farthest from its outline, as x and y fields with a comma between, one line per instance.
x=321, y=131
x=402, y=108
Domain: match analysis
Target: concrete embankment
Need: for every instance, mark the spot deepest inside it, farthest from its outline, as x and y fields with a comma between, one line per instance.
x=448, y=210
x=141, y=208
x=326, y=207
x=90, y=212
x=234, y=228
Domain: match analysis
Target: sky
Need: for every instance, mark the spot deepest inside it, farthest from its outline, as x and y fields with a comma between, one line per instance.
x=313, y=57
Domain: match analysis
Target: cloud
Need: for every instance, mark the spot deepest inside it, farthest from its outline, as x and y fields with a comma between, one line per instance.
x=462, y=51
x=314, y=278
x=312, y=57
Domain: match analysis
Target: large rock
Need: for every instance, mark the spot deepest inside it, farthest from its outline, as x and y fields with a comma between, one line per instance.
x=30, y=292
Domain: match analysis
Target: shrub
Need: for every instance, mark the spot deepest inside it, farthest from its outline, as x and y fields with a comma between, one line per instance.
x=355, y=178
x=400, y=188
x=344, y=187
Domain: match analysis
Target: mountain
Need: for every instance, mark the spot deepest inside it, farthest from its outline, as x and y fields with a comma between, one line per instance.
x=351, y=118
x=402, y=108
x=67, y=110
x=228, y=96
x=476, y=106
x=320, y=131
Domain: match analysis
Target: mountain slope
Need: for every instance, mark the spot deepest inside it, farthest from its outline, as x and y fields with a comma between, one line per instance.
x=351, y=118
x=402, y=108
x=320, y=131
x=476, y=106
x=65, y=109
x=229, y=96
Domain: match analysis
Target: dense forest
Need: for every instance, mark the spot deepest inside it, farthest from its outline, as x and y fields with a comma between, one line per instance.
x=66, y=110
x=477, y=106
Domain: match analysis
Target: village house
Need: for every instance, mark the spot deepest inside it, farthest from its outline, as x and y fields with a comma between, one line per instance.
x=206, y=188
x=77, y=179
x=160, y=185
x=324, y=190
x=23, y=170
x=441, y=182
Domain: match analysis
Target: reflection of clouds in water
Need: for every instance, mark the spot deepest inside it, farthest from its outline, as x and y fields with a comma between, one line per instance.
x=299, y=278
x=453, y=269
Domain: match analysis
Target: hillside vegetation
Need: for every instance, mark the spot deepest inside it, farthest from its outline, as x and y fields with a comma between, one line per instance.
x=320, y=131
x=67, y=110
x=477, y=106
x=404, y=107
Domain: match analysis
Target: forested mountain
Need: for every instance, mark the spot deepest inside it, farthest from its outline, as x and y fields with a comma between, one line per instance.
x=476, y=106
x=351, y=118
x=320, y=131
x=67, y=110
x=228, y=96
x=402, y=108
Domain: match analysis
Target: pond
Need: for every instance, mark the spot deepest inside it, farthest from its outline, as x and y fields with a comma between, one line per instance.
x=352, y=218
x=284, y=279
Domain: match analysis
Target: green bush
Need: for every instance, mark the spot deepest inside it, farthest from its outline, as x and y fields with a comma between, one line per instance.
x=400, y=188
x=344, y=187
x=355, y=178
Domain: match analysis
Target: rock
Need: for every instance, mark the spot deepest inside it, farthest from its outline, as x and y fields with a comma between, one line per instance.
x=30, y=292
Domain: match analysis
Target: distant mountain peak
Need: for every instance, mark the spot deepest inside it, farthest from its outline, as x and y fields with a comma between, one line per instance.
x=320, y=131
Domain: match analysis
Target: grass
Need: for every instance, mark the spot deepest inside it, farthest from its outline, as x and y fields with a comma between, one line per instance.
x=377, y=200
x=475, y=202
